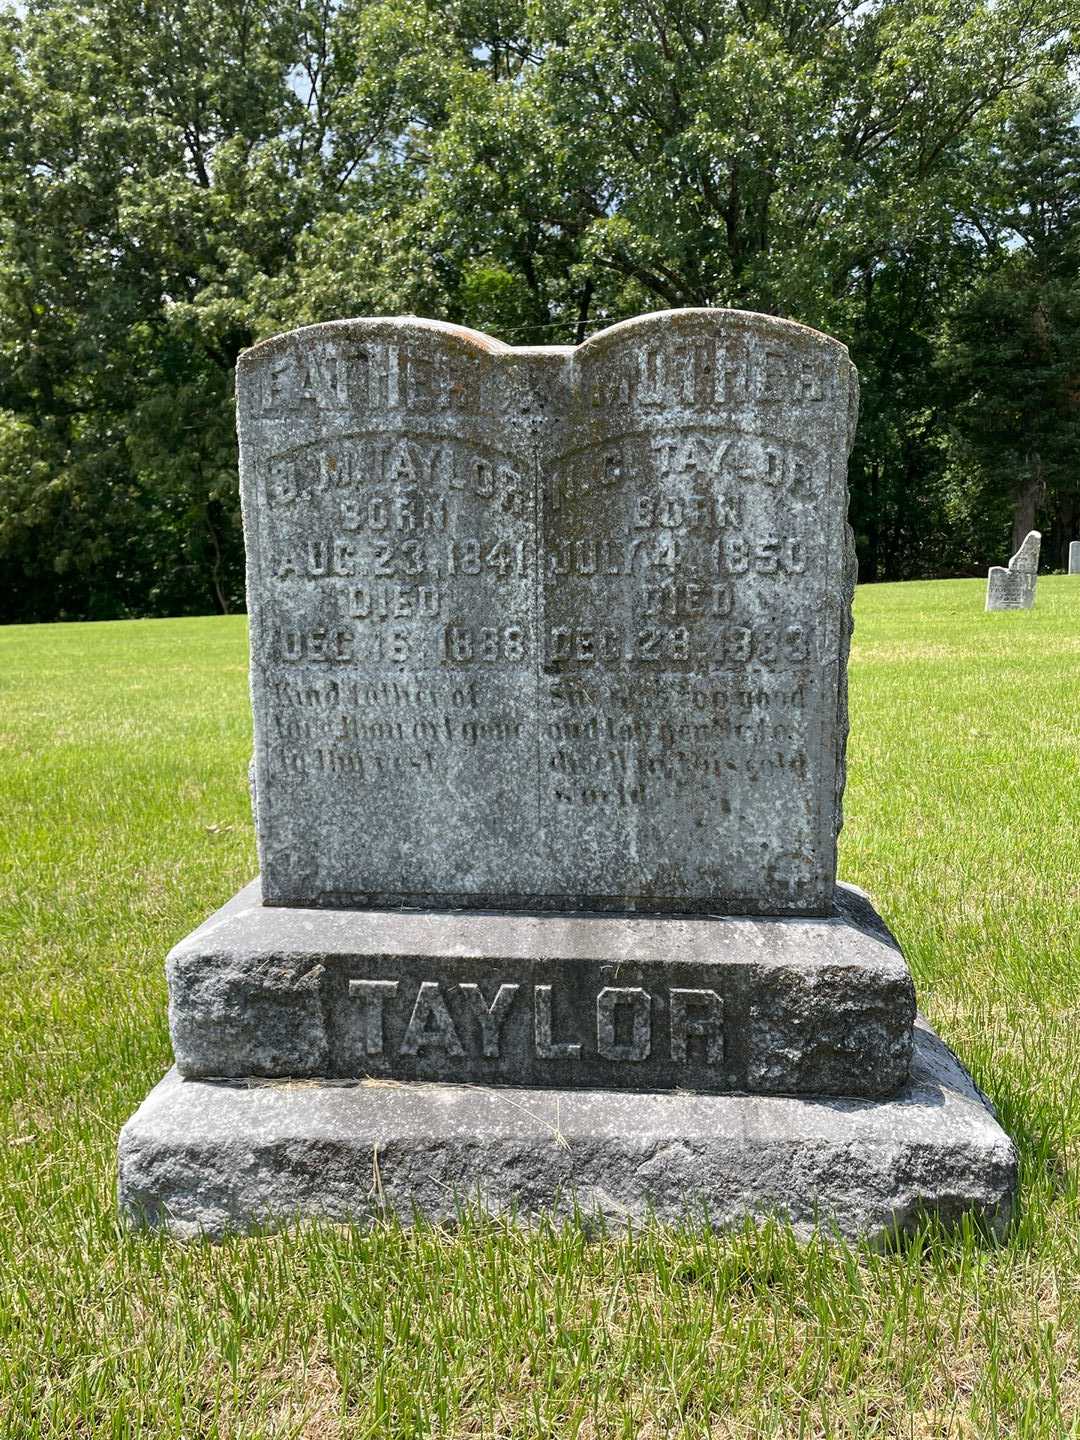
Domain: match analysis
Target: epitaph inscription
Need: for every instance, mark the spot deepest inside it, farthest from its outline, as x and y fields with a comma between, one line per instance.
x=549, y=628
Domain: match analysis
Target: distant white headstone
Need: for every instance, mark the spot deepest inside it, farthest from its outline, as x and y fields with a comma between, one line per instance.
x=1013, y=587
x=1074, y=557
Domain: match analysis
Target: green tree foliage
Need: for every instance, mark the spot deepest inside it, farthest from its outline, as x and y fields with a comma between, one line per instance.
x=179, y=179
x=1011, y=355
x=158, y=166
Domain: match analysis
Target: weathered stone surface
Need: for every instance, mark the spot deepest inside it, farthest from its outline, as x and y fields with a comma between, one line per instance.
x=817, y=1005
x=1074, y=557
x=1026, y=559
x=203, y=1158
x=1010, y=589
x=1014, y=588
x=537, y=632
x=549, y=629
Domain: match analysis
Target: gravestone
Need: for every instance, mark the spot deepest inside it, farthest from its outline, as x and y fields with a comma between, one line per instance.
x=1074, y=557
x=1013, y=588
x=548, y=630
x=548, y=672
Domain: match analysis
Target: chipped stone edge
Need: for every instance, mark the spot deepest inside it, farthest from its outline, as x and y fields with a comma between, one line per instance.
x=259, y=990
x=205, y=1159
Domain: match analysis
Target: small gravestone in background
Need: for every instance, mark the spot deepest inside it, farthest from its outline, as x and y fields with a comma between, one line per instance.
x=1074, y=557
x=548, y=663
x=1013, y=588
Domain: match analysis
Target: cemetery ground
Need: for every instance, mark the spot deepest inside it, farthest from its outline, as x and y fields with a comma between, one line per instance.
x=123, y=755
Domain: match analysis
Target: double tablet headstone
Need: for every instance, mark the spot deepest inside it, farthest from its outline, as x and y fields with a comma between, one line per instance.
x=549, y=629
x=548, y=669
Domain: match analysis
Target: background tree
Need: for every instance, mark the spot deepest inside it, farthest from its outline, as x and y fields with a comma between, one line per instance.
x=180, y=179
x=1011, y=354
x=158, y=166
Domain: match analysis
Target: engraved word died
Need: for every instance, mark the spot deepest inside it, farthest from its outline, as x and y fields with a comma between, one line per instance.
x=549, y=629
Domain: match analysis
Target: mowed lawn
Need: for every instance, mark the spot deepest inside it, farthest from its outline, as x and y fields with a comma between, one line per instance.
x=125, y=820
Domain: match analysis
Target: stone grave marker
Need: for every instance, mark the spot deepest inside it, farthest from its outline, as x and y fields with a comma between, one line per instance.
x=548, y=670
x=547, y=629
x=1074, y=557
x=1013, y=587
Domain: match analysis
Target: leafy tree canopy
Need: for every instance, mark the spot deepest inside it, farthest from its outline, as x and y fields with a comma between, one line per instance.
x=180, y=179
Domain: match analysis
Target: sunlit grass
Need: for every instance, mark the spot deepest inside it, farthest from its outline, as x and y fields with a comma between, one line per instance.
x=123, y=752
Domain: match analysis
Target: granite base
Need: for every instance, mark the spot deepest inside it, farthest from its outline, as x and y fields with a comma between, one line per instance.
x=765, y=1004
x=203, y=1158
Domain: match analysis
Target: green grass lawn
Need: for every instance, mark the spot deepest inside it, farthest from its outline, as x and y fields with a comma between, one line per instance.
x=123, y=752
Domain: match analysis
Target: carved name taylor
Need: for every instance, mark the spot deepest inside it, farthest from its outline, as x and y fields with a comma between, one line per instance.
x=554, y=628
x=430, y=1024
x=802, y=1005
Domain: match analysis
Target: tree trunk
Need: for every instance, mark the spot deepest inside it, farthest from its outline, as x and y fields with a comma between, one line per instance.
x=215, y=567
x=869, y=561
x=1066, y=528
x=581, y=329
x=1026, y=502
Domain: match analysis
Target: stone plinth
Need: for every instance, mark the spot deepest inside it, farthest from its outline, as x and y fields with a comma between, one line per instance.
x=770, y=1004
x=203, y=1157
